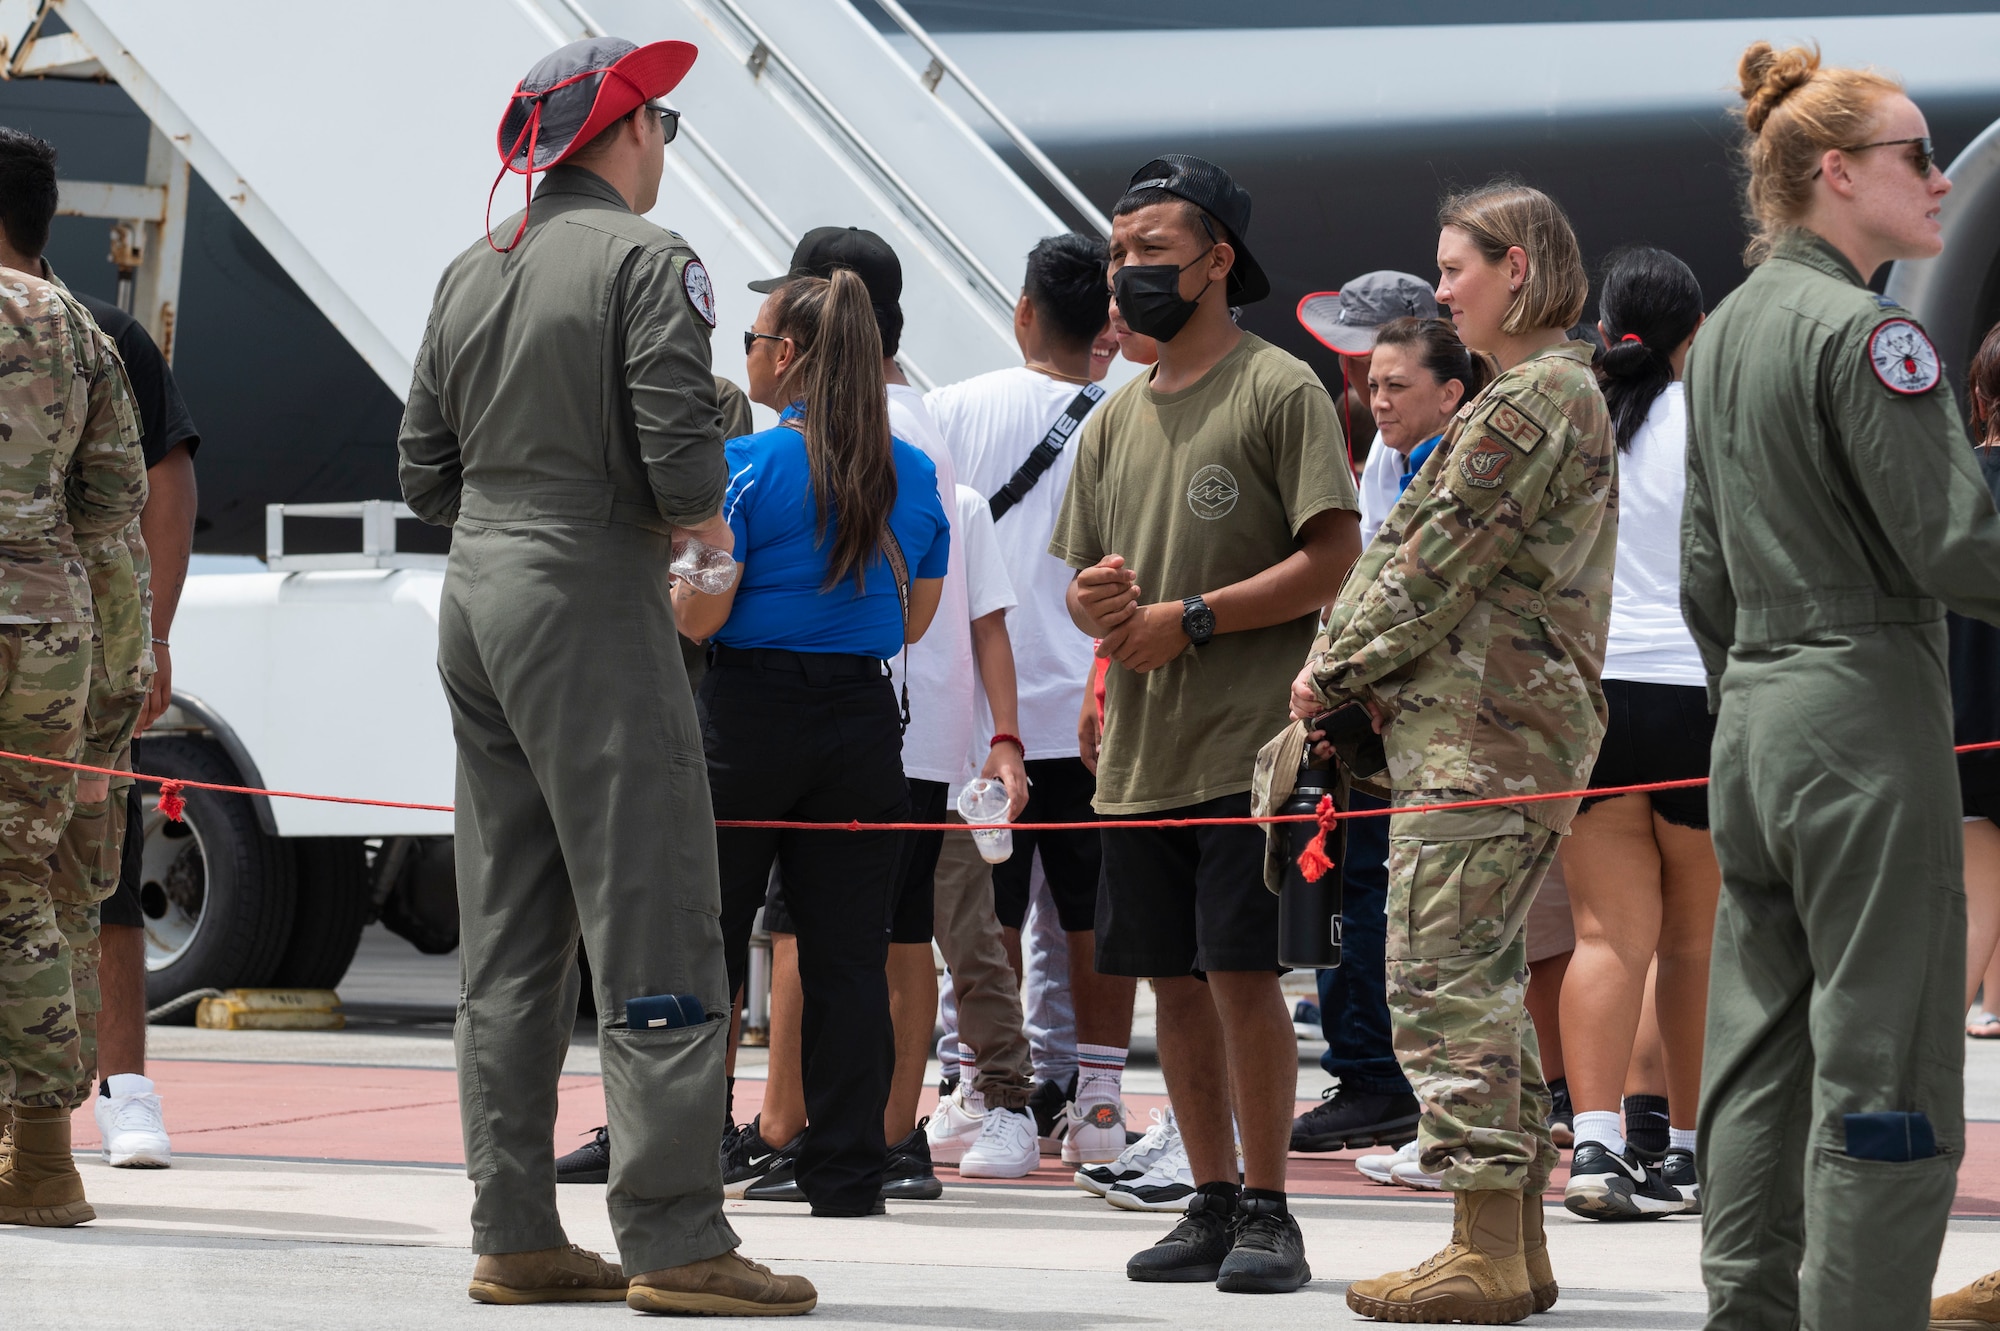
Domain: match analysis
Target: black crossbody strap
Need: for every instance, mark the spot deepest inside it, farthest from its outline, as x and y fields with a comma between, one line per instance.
x=892, y=550
x=1045, y=454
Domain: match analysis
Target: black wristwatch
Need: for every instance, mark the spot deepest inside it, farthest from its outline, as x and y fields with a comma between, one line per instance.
x=1197, y=621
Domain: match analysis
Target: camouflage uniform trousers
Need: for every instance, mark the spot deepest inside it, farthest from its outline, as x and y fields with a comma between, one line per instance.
x=1460, y=884
x=44, y=680
x=87, y=864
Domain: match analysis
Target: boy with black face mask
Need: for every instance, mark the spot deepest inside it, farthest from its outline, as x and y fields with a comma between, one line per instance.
x=1210, y=514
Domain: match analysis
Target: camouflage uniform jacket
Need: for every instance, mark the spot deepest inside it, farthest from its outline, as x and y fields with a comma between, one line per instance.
x=71, y=460
x=1476, y=618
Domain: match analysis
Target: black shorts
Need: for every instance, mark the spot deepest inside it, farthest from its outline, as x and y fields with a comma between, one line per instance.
x=1059, y=791
x=122, y=906
x=1657, y=732
x=914, y=914
x=1187, y=900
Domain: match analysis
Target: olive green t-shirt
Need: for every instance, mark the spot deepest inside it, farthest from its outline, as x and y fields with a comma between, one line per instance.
x=1197, y=490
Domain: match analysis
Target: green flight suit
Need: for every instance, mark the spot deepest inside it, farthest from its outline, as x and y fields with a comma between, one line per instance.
x=562, y=418
x=1834, y=511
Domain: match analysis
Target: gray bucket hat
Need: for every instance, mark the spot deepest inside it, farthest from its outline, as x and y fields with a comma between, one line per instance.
x=1346, y=320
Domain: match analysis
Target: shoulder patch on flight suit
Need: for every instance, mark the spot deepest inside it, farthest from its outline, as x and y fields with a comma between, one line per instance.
x=1903, y=358
x=1485, y=464
x=1515, y=426
x=700, y=291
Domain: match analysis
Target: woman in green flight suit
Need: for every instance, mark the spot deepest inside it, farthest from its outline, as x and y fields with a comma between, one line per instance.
x=1833, y=513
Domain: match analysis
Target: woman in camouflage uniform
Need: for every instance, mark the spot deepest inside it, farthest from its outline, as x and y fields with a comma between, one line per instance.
x=1473, y=631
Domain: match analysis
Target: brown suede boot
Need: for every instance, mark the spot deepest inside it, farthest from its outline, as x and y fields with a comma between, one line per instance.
x=730, y=1285
x=1480, y=1277
x=39, y=1184
x=1974, y=1308
x=549, y=1275
x=1535, y=1252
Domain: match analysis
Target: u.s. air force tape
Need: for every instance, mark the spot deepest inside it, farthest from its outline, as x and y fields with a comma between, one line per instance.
x=700, y=291
x=1903, y=358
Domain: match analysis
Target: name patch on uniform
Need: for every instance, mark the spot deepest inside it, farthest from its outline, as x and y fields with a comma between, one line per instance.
x=1515, y=426
x=1485, y=464
x=700, y=291
x=1903, y=358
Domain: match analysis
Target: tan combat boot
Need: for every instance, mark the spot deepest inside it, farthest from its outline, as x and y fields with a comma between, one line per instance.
x=1974, y=1308
x=730, y=1285
x=1535, y=1252
x=548, y=1275
x=39, y=1184
x=1480, y=1277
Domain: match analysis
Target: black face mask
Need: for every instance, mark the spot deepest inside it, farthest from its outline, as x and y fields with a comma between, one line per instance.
x=1150, y=300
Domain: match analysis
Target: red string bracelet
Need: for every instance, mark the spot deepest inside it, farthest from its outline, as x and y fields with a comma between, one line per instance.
x=1003, y=738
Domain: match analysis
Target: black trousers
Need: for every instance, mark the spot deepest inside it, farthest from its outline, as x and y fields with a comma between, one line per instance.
x=816, y=738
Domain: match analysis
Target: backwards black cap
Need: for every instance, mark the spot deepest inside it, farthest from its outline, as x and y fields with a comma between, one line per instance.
x=1210, y=188
x=826, y=248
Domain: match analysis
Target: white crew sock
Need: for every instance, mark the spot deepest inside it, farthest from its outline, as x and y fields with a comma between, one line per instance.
x=1602, y=1126
x=1680, y=1139
x=1100, y=1074
x=968, y=1080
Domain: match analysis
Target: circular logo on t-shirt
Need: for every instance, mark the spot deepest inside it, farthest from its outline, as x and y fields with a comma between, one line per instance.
x=1212, y=493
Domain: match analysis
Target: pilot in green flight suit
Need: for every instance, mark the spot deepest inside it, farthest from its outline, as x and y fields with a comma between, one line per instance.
x=1834, y=511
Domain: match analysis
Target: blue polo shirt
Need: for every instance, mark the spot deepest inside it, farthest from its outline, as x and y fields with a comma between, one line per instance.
x=780, y=603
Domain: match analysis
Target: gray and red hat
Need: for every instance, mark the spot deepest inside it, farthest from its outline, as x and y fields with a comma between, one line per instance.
x=572, y=94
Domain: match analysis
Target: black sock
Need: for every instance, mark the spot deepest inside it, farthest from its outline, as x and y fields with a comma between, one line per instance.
x=1646, y=1123
x=1228, y=1192
x=729, y=1100
x=1266, y=1195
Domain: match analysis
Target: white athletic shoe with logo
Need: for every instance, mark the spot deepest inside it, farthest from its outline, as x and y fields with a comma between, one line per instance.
x=1006, y=1146
x=955, y=1126
x=1165, y=1187
x=1140, y=1156
x=1410, y=1174
x=1093, y=1134
x=1377, y=1168
x=129, y=1121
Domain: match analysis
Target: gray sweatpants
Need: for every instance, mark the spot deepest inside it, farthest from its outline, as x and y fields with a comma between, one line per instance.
x=582, y=805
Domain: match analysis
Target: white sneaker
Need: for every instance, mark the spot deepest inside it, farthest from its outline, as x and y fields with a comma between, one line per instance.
x=129, y=1121
x=956, y=1125
x=1410, y=1174
x=1140, y=1156
x=1006, y=1147
x=1093, y=1134
x=1377, y=1168
x=1165, y=1187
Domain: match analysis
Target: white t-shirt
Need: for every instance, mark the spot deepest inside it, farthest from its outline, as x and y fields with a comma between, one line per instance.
x=987, y=589
x=1381, y=486
x=1649, y=642
x=992, y=423
x=940, y=663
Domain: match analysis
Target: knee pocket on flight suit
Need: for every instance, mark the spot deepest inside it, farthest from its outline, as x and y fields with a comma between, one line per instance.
x=1456, y=878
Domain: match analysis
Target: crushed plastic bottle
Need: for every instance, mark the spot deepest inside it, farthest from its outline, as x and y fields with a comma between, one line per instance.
x=703, y=567
x=984, y=800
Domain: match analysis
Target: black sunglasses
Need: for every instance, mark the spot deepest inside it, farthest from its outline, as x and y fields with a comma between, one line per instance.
x=750, y=339
x=1922, y=159
x=670, y=119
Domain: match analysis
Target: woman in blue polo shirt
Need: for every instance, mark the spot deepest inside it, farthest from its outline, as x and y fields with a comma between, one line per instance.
x=802, y=721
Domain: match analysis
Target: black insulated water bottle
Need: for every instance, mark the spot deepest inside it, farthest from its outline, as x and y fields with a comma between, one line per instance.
x=1309, y=913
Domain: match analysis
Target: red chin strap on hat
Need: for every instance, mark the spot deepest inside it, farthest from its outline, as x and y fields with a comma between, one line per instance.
x=531, y=133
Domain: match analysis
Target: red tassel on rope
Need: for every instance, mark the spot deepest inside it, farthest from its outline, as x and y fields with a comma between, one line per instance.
x=171, y=803
x=1313, y=861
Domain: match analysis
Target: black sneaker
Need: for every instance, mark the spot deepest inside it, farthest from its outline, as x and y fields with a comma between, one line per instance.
x=588, y=1163
x=1196, y=1247
x=780, y=1180
x=1269, y=1256
x=1678, y=1170
x=908, y=1175
x=747, y=1157
x=1345, y=1118
x=1562, y=1116
x=1046, y=1102
x=1603, y=1186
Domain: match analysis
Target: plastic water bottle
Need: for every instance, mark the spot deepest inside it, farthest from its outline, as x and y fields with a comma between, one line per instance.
x=985, y=801
x=703, y=567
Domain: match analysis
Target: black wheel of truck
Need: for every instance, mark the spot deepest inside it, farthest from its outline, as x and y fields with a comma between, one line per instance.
x=217, y=893
x=332, y=910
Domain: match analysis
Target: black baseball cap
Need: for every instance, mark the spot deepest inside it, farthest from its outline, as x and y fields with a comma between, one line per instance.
x=825, y=248
x=1211, y=189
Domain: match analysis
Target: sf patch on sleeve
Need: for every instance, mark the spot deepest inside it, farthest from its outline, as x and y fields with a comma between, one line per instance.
x=700, y=292
x=1903, y=358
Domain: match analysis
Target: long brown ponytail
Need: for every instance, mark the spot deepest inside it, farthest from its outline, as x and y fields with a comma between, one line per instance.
x=838, y=377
